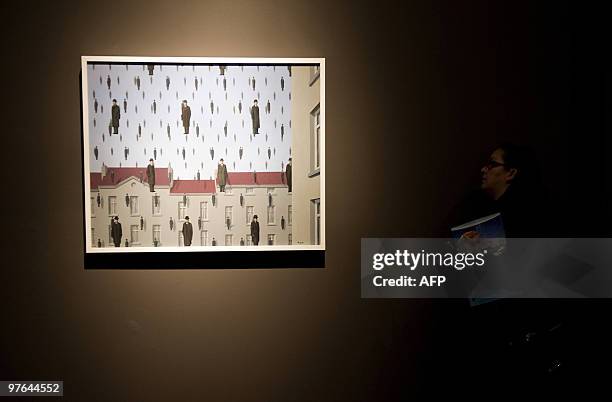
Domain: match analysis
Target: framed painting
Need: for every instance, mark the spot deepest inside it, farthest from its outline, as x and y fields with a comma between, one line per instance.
x=198, y=162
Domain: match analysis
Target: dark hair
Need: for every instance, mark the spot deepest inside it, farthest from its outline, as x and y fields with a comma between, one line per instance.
x=526, y=209
x=115, y=100
x=515, y=156
x=521, y=158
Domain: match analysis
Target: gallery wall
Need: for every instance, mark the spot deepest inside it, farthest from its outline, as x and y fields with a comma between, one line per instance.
x=416, y=99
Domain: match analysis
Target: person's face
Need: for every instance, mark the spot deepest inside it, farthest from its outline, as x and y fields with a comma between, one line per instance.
x=495, y=175
x=221, y=162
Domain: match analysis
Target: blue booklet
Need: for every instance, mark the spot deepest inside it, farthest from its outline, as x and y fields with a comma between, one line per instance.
x=486, y=233
x=490, y=226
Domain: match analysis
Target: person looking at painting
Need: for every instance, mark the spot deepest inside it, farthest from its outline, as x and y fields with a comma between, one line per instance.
x=510, y=185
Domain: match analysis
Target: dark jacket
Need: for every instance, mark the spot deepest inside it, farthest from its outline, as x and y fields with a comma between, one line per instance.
x=255, y=232
x=116, y=232
x=524, y=213
x=151, y=174
x=255, y=117
x=288, y=175
x=187, y=233
x=116, y=115
x=221, y=175
x=186, y=116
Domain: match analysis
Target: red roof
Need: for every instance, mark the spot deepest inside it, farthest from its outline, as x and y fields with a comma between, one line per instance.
x=115, y=175
x=192, y=186
x=94, y=180
x=256, y=179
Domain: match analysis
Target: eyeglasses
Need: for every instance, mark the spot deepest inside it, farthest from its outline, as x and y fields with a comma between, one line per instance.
x=491, y=164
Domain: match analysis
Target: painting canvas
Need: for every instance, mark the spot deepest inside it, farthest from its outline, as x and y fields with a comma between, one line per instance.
x=203, y=154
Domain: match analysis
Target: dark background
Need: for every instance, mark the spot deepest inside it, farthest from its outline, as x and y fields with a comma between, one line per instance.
x=417, y=97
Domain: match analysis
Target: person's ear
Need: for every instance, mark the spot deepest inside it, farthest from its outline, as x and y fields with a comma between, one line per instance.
x=511, y=174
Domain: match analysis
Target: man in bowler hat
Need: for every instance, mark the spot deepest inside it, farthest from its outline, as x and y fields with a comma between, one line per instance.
x=151, y=175
x=221, y=175
x=255, y=230
x=115, y=116
x=187, y=232
x=185, y=116
x=255, y=117
x=116, y=232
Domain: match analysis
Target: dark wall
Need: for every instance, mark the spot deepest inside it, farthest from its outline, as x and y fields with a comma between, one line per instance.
x=416, y=99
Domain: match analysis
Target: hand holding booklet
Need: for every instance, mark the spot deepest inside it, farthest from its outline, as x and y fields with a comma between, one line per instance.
x=490, y=226
x=484, y=234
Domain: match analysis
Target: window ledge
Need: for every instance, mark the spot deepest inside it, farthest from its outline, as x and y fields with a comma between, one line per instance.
x=314, y=172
